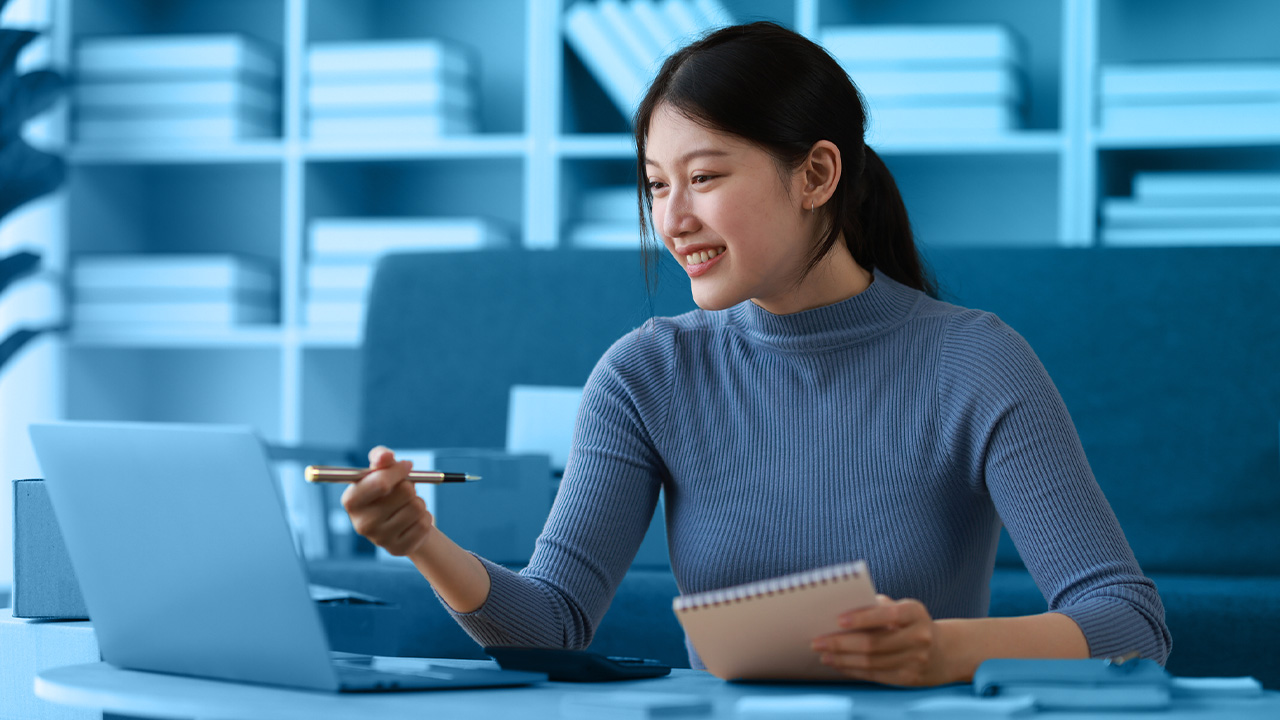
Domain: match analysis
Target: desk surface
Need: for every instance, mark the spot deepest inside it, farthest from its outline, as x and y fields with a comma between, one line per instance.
x=105, y=687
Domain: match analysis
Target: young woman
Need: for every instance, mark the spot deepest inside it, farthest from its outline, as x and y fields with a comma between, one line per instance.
x=820, y=407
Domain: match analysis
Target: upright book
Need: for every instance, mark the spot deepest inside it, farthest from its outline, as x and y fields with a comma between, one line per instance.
x=764, y=630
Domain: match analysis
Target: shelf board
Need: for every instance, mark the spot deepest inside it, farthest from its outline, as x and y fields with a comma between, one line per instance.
x=268, y=337
x=619, y=145
x=458, y=146
x=1024, y=142
x=1112, y=141
x=135, y=153
x=600, y=145
x=331, y=337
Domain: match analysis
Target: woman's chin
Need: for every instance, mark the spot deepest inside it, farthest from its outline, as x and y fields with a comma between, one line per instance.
x=710, y=300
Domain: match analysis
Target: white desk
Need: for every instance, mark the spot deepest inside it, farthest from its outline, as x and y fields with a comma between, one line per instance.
x=102, y=686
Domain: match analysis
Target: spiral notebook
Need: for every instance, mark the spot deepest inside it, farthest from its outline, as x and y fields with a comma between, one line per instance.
x=764, y=630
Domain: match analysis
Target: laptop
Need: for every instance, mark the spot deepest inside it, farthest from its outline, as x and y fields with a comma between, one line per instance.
x=179, y=539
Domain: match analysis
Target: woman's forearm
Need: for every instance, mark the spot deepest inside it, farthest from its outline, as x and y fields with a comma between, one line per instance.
x=457, y=575
x=967, y=642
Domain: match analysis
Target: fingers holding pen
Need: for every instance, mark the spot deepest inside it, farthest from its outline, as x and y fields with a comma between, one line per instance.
x=388, y=475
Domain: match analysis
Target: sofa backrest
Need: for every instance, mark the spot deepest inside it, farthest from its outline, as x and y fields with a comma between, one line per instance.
x=448, y=334
x=1167, y=359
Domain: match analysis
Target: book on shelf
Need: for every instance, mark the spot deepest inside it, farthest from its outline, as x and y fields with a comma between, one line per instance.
x=332, y=313
x=623, y=44
x=1208, y=187
x=904, y=46
x=336, y=295
x=714, y=13
x=230, y=125
x=391, y=127
x=371, y=97
x=640, y=46
x=157, y=56
x=370, y=237
x=145, y=294
x=1223, y=119
x=935, y=86
x=1126, y=212
x=594, y=43
x=215, y=314
x=1191, y=236
x=683, y=18
x=650, y=18
x=1189, y=82
x=892, y=122
x=616, y=202
x=429, y=57
x=141, y=97
x=605, y=235
x=339, y=276
x=112, y=271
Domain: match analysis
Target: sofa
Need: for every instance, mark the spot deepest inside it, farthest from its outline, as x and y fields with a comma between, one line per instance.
x=1168, y=360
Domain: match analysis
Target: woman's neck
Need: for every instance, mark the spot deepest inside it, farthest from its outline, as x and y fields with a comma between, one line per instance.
x=837, y=277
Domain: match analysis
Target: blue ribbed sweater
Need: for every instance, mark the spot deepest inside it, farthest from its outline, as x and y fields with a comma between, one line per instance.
x=889, y=426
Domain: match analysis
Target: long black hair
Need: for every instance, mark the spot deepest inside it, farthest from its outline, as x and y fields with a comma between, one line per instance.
x=782, y=92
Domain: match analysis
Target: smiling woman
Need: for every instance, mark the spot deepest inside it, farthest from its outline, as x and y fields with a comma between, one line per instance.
x=822, y=406
x=780, y=133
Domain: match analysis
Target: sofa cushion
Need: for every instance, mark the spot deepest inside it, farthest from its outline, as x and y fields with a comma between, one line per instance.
x=639, y=622
x=1222, y=626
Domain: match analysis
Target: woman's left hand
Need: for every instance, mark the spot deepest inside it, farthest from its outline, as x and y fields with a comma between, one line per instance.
x=894, y=642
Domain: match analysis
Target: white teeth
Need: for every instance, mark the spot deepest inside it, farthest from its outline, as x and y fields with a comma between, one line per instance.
x=701, y=257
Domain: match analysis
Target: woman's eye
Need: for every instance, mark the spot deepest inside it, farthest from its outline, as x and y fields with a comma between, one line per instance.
x=701, y=178
x=655, y=185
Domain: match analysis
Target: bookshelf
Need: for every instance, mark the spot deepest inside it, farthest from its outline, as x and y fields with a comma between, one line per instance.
x=548, y=134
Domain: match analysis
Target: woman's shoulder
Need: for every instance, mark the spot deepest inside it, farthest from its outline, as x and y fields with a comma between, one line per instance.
x=664, y=332
x=964, y=323
x=979, y=341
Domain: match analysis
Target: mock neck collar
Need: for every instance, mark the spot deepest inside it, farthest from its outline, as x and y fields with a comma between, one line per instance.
x=885, y=304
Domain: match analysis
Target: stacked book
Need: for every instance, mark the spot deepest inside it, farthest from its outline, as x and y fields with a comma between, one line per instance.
x=1181, y=98
x=608, y=218
x=933, y=79
x=344, y=251
x=169, y=292
x=175, y=87
x=393, y=89
x=622, y=44
x=1195, y=208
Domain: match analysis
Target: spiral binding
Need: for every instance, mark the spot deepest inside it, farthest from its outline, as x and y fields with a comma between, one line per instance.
x=771, y=587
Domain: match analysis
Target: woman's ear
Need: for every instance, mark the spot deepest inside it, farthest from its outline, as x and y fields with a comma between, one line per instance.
x=821, y=173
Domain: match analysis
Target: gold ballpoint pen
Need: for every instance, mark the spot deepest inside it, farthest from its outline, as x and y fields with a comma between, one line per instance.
x=334, y=474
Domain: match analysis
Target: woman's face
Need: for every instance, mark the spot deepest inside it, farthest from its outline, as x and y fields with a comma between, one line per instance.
x=720, y=195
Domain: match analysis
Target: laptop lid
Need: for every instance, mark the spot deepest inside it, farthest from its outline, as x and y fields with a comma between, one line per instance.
x=180, y=542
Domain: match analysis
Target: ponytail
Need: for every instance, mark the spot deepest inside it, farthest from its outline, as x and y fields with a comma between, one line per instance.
x=878, y=231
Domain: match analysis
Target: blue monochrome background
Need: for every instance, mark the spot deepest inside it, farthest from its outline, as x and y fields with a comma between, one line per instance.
x=1102, y=174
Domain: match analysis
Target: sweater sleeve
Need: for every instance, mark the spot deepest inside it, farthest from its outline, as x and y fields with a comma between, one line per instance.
x=1007, y=428
x=601, y=511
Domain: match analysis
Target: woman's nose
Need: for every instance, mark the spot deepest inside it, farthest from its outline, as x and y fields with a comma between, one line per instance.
x=678, y=218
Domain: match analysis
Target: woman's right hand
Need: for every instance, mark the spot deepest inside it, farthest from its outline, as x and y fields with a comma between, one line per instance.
x=384, y=505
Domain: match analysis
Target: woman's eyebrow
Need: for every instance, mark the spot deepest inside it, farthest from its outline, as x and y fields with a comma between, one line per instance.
x=703, y=152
